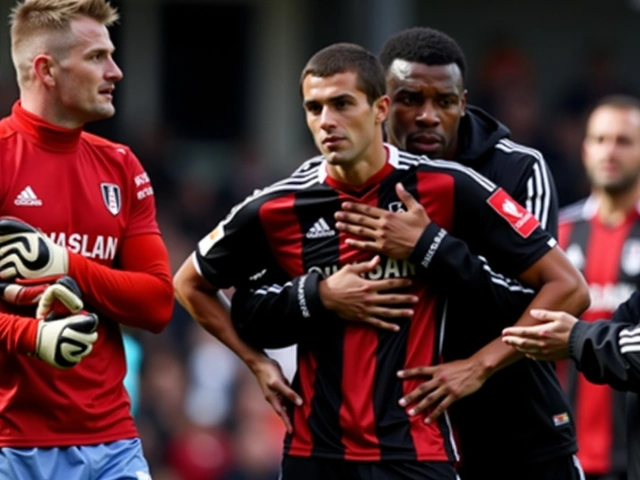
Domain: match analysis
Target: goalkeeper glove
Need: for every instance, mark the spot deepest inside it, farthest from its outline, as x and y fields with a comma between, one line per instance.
x=64, y=340
x=63, y=343
x=60, y=299
x=27, y=253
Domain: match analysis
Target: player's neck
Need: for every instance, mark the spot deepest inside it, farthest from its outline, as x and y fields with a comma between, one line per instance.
x=39, y=105
x=361, y=170
x=614, y=208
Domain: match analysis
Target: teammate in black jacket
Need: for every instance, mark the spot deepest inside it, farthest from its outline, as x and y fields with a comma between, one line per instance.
x=607, y=352
x=523, y=405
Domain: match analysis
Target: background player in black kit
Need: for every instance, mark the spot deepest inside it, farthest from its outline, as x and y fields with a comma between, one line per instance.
x=601, y=235
x=428, y=114
x=605, y=351
x=350, y=425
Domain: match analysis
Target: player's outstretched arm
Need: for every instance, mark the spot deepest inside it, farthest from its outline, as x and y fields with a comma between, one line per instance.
x=276, y=316
x=607, y=352
x=201, y=299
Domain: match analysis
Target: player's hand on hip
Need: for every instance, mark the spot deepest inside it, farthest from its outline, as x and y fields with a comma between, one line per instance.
x=393, y=234
x=356, y=298
x=445, y=384
x=547, y=341
x=64, y=342
x=276, y=388
x=27, y=253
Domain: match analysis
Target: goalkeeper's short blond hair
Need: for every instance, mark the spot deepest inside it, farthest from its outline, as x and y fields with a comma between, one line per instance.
x=40, y=26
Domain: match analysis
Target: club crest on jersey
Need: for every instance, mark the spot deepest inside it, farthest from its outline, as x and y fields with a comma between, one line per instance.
x=518, y=217
x=112, y=198
x=396, y=207
x=631, y=257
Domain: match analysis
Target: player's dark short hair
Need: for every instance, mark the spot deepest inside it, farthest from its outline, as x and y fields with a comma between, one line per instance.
x=629, y=102
x=348, y=57
x=423, y=45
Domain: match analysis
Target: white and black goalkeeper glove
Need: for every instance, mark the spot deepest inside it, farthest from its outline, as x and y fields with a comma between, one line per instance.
x=65, y=334
x=64, y=342
x=25, y=252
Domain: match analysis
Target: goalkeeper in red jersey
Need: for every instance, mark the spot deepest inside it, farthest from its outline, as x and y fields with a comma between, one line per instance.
x=77, y=205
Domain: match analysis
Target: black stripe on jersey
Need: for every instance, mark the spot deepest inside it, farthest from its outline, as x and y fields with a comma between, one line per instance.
x=411, y=185
x=324, y=419
x=388, y=361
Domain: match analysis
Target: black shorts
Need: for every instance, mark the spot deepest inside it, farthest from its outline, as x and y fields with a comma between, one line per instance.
x=303, y=468
x=563, y=468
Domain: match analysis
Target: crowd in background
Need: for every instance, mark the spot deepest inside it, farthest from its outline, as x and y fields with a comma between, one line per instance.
x=201, y=414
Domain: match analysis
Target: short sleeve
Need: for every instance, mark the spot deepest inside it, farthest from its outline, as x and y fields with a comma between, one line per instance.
x=235, y=250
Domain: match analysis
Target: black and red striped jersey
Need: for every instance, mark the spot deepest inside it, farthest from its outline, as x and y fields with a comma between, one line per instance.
x=609, y=258
x=347, y=372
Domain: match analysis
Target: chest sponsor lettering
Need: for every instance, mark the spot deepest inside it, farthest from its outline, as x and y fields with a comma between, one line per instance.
x=100, y=247
x=388, y=268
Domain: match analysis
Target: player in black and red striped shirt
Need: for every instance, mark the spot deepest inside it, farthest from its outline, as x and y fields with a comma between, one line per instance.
x=350, y=424
x=425, y=79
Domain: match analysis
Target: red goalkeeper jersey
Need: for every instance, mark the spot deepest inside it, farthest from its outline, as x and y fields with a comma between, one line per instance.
x=91, y=196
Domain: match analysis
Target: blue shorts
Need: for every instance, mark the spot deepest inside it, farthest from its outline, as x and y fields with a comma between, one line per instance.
x=122, y=460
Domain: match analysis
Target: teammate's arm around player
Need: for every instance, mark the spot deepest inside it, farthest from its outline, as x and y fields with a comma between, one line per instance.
x=398, y=235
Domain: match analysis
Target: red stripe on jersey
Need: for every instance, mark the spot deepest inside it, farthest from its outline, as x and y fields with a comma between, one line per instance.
x=594, y=423
x=357, y=415
x=564, y=234
x=426, y=438
x=285, y=236
x=436, y=193
x=301, y=442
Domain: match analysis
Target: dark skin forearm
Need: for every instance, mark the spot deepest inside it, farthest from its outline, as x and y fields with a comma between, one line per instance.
x=560, y=287
x=561, y=290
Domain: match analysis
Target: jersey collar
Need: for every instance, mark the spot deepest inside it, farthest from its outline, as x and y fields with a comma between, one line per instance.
x=43, y=133
x=392, y=164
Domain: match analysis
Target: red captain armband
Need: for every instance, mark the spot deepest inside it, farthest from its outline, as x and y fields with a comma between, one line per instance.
x=521, y=219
